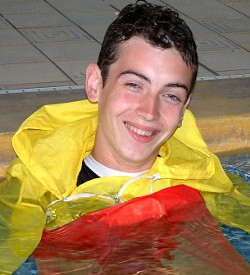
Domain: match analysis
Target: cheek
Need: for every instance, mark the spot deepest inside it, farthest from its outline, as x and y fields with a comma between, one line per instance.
x=112, y=107
x=171, y=115
x=123, y=102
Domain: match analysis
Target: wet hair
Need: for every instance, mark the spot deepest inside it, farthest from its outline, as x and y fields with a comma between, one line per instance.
x=158, y=25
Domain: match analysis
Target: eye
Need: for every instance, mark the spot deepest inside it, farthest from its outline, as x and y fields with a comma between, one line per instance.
x=172, y=98
x=133, y=86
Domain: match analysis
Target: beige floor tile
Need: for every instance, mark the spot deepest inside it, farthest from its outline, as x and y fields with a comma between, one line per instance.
x=200, y=9
x=94, y=18
x=204, y=72
x=214, y=42
x=11, y=37
x=196, y=27
x=80, y=5
x=228, y=25
x=226, y=61
x=30, y=73
x=75, y=69
x=95, y=24
x=234, y=1
x=242, y=7
x=96, y=31
x=27, y=6
x=31, y=20
x=70, y=50
x=20, y=54
x=55, y=34
x=242, y=39
x=119, y=4
x=235, y=73
x=4, y=24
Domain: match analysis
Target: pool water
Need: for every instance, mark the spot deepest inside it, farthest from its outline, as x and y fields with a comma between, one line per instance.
x=240, y=240
x=239, y=165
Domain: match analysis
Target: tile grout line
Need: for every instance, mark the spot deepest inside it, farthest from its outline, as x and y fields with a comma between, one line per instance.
x=211, y=29
x=226, y=5
x=74, y=23
x=182, y=13
x=33, y=45
x=208, y=69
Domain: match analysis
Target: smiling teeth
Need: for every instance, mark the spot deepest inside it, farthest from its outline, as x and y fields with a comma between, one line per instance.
x=138, y=131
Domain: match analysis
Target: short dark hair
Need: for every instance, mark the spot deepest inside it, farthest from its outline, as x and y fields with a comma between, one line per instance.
x=158, y=25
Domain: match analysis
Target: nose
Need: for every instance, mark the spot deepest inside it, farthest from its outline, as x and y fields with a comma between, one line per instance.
x=148, y=108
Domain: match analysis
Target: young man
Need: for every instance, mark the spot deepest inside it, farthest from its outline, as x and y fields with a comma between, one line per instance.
x=142, y=83
x=139, y=140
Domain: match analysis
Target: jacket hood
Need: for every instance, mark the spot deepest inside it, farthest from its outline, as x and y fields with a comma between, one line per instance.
x=54, y=140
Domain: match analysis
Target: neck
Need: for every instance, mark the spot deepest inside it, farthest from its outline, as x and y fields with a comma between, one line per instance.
x=113, y=162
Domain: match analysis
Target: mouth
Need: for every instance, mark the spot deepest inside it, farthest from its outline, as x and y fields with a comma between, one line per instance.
x=141, y=134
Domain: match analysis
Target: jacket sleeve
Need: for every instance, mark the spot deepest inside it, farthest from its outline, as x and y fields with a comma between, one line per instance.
x=22, y=217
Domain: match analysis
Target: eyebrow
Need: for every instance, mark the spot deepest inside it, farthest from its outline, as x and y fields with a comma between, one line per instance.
x=142, y=76
x=178, y=85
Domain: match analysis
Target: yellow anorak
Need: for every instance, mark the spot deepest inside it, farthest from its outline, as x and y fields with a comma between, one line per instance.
x=51, y=145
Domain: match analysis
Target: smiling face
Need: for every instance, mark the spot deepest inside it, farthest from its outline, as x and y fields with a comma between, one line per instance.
x=140, y=106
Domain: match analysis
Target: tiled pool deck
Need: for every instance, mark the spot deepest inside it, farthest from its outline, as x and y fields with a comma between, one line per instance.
x=45, y=46
x=48, y=43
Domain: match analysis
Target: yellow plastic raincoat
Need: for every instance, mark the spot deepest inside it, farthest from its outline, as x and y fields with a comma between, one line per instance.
x=51, y=145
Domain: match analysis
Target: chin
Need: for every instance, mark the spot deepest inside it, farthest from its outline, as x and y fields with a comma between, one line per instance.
x=137, y=155
x=138, y=158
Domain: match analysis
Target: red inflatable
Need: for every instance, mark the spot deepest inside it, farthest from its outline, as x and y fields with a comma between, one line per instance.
x=168, y=232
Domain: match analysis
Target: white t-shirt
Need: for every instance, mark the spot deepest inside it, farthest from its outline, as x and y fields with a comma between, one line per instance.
x=104, y=171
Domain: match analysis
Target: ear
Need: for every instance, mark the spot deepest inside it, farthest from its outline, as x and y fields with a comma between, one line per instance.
x=187, y=101
x=93, y=83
